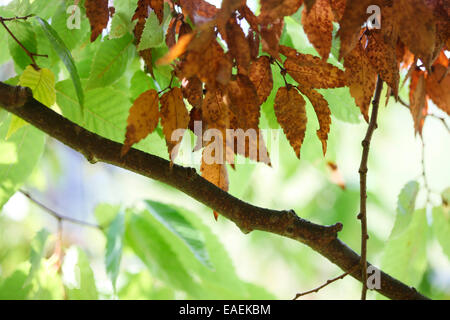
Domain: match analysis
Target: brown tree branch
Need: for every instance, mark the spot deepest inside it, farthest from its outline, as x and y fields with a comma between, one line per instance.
x=247, y=217
x=363, y=184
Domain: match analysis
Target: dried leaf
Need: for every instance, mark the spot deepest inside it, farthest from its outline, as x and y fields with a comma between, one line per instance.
x=323, y=114
x=291, y=114
x=360, y=77
x=193, y=91
x=438, y=87
x=174, y=116
x=142, y=120
x=199, y=11
x=417, y=99
x=311, y=71
x=98, y=14
x=276, y=9
x=383, y=57
x=270, y=36
x=238, y=45
x=318, y=26
x=260, y=74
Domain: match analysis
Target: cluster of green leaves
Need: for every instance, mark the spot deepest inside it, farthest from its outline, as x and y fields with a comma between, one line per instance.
x=182, y=258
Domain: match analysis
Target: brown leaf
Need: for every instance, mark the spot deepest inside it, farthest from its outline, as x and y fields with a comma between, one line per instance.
x=311, y=71
x=291, y=115
x=416, y=27
x=360, y=77
x=336, y=176
x=238, y=45
x=98, y=14
x=195, y=115
x=249, y=16
x=270, y=37
x=417, y=99
x=355, y=14
x=244, y=102
x=199, y=11
x=174, y=115
x=338, y=8
x=276, y=9
x=260, y=74
x=383, y=57
x=323, y=114
x=438, y=87
x=172, y=32
x=142, y=120
x=318, y=26
x=253, y=42
x=215, y=173
x=193, y=91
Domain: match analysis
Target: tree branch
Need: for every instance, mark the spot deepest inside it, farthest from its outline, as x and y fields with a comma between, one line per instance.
x=363, y=184
x=247, y=217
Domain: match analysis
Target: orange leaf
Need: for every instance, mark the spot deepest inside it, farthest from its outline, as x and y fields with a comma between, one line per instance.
x=275, y=9
x=98, y=14
x=361, y=78
x=193, y=91
x=238, y=45
x=318, y=26
x=438, y=87
x=260, y=74
x=323, y=114
x=199, y=11
x=383, y=57
x=291, y=114
x=417, y=99
x=270, y=37
x=142, y=120
x=311, y=71
x=174, y=115
x=177, y=50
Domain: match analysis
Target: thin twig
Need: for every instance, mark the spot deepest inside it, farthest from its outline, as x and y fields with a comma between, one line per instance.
x=330, y=281
x=29, y=53
x=58, y=216
x=363, y=184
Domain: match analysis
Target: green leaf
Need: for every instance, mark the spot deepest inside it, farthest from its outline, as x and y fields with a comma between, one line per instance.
x=182, y=228
x=29, y=146
x=72, y=37
x=405, y=255
x=405, y=207
x=140, y=82
x=37, y=253
x=78, y=276
x=144, y=238
x=47, y=284
x=153, y=34
x=13, y=287
x=342, y=104
x=105, y=110
x=114, y=245
x=23, y=31
x=441, y=228
x=106, y=213
x=16, y=124
x=4, y=54
x=110, y=61
x=41, y=82
x=65, y=56
x=119, y=26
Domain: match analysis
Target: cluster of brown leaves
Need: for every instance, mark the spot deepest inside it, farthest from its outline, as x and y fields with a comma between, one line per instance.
x=226, y=79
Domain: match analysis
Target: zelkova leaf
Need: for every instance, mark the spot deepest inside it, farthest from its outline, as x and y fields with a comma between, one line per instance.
x=176, y=223
x=214, y=172
x=323, y=114
x=275, y=9
x=418, y=104
x=260, y=74
x=152, y=35
x=23, y=31
x=291, y=114
x=142, y=120
x=114, y=245
x=41, y=82
x=238, y=45
x=360, y=76
x=437, y=87
x=98, y=14
x=174, y=116
x=65, y=56
x=318, y=26
x=192, y=89
x=382, y=55
x=110, y=61
x=441, y=228
x=311, y=71
x=199, y=11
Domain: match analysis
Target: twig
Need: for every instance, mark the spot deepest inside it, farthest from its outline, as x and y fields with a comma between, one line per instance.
x=330, y=281
x=29, y=53
x=363, y=184
x=58, y=216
